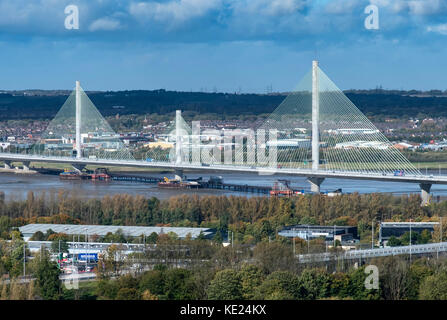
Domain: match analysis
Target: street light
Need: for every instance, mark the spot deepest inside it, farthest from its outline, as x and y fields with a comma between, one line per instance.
x=24, y=259
x=86, y=245
x=440, y=228
x=66, y=232
x=308, y=239
x=410, y=241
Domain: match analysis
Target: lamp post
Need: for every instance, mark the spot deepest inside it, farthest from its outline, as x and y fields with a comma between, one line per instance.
x=440, y=228
x=86, y=246
x=294, y=250
x=410, y=241
x=334, y=235
x=308, y=239
x=66, y=232
x=72, y=256
x=24, y=259
x=59, y=254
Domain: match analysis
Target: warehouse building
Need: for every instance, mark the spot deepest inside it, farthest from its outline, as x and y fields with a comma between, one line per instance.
x=398, y=229
x=309, y=232
x=101, y=231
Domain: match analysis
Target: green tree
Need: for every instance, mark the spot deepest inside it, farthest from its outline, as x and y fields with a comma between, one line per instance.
x=356, y=288
x=153, y=237
x=154, y=281
x=127, y=294
x=425, y=237
x=251, y=277
x=47, y=275
x=434, y=287
x=38, y=236
x=316, y=284
x=394, y=242
x=280, y=285
x=274, y=256
x=179, y=285
x=226, y=285
x=59, y=245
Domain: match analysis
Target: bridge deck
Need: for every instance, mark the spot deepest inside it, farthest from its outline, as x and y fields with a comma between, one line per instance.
x=229, y=168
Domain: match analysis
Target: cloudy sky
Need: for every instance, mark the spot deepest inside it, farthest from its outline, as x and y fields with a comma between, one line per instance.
x=224, y=45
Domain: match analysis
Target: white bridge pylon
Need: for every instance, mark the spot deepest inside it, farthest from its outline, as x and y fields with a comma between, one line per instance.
x=316, y=128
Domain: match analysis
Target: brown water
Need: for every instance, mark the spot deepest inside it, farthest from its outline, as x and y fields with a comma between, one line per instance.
x=16, y=186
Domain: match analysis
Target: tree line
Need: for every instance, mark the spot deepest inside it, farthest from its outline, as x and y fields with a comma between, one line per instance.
x=251, y=219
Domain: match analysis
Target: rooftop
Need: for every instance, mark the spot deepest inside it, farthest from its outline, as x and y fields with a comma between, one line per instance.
x=133, y=231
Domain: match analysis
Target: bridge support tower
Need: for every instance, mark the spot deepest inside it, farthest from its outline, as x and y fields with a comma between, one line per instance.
x=178, y=137
x=425, y=193
x=315, y=183
x=78, y=167
x=78, y=120
x=25, y=165
x=178, y=174
x=315, y=118
x=7, y=164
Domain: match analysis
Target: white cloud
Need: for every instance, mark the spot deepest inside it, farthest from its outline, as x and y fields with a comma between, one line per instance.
x=425, y=7
x=342, y=6
x=174, y=10
x=105, y=24
x=267, y=7
x=440, y=28
x=413, y=7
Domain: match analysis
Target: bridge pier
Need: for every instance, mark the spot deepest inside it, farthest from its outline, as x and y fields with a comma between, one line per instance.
x=425, y=193
x=315, y=183
x=178, y=174
x=7, y=164
x=26, y=165
x=78, y=166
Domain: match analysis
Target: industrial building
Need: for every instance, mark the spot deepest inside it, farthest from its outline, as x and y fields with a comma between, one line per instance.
x=397, y=229
x=128, y=231
x=309, y=232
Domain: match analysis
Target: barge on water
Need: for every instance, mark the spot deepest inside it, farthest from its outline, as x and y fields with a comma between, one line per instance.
x=72, y=175
x=179, y=184
x=99, y=174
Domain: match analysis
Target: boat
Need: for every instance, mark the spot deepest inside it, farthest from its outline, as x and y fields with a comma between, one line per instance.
x=70, y=175
x=178, y=184
x=101, y=174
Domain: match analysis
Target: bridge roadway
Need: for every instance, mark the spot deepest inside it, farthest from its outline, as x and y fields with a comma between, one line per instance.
x=315, y=177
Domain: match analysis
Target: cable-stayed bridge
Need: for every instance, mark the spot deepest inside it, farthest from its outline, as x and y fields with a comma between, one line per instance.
x=316, y=132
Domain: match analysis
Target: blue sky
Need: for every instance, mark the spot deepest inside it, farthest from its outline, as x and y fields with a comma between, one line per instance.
x=228, y=45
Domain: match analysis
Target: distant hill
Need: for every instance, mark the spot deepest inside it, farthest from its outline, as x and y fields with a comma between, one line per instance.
x=40, y=104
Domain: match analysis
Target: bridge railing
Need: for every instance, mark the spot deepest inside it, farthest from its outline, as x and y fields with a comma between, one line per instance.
x=371, y=253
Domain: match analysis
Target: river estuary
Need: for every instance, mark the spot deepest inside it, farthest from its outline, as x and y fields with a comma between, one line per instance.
x=16, y=186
